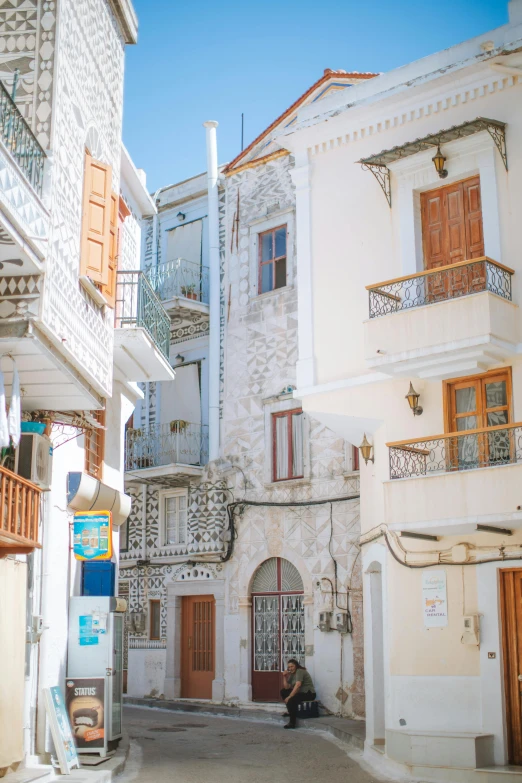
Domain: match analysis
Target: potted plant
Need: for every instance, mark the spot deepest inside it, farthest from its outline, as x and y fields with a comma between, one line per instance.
x=189, y=291
x=178, y=425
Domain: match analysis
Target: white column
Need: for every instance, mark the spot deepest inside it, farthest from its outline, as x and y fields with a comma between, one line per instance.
x=172, y=686
x=214, y=304
x=305, y=363
x=218, y=683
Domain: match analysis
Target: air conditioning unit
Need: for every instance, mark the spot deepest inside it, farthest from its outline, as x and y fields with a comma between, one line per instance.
x=34, y=459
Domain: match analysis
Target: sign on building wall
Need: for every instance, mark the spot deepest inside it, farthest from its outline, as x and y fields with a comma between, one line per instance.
x=434, y=599
x=93, y=535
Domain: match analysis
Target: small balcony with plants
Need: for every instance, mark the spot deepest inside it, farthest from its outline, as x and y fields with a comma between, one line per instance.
x=457, y=481
x=443, y=322
x=181, y=285
x=170, y=453
x=142, y=331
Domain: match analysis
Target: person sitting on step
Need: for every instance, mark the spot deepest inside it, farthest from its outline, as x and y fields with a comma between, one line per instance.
x=298, y=687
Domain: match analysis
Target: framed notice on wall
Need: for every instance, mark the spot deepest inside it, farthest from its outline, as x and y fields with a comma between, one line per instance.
x=93, y=535
x=434, y=599
x=61, y=730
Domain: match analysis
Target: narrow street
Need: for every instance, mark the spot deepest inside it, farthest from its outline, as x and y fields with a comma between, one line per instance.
x=189, y=749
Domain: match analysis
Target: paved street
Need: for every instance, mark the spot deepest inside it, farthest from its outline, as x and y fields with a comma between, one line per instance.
x=192, y=749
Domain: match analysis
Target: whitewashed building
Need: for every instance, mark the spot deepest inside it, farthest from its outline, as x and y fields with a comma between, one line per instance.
x=252, y=539
x=69, y=269
x=408, y=246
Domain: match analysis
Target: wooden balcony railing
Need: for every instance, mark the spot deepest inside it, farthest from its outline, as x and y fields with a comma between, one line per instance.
x=19, y=514
x=440, y=284
x=465, y=450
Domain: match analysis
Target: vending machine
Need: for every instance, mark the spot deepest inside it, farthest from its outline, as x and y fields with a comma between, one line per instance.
x=93, y=687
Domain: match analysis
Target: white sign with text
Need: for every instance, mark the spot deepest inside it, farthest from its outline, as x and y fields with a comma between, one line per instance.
x=434, y=599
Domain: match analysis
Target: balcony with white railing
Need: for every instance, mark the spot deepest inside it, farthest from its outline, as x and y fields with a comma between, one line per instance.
x=181, y=285
x=142, y=331
x=456, y=480
x=444, y=322
x=171, y=453
x=23, y=217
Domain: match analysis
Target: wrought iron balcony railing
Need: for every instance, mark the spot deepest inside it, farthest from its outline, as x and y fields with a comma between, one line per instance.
x=465, y=450
x=180, y=278
x=176, y=443
x=20, y=140
x=138, y=306
x=437, y=285
x=19, y=513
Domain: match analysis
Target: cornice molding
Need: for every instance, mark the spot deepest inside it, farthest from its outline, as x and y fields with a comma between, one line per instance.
x=437, y=104
x=126, y=17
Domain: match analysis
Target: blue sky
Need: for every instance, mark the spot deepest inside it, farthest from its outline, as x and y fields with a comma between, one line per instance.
x=214, y=59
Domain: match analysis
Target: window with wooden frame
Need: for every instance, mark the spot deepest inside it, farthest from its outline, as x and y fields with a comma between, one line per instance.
x=287, y=445
x=100, y=228
x=95, y=446
x=479, y=403
x=155, y=620
x=355, y=458
x=272, y=259
x=174, y=517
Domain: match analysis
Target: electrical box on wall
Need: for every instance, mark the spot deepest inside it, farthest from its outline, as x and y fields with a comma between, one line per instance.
x=325, y=621
x=341, y=622
x=471, y=629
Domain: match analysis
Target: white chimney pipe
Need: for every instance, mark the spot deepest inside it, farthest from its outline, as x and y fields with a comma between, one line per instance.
x=214, y=277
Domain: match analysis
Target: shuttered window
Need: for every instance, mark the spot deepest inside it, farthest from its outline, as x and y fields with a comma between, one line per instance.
x=452, y=224
x=95, y=446
x=96, y=221
x=287, y=439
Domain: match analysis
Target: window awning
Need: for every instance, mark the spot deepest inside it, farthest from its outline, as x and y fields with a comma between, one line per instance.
x=378, y=164
x=85, y=493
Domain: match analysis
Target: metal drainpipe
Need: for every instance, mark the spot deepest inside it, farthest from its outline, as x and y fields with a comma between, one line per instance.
x=214, y=342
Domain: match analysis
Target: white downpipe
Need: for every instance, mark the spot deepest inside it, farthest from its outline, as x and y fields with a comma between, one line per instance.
x=214, y=342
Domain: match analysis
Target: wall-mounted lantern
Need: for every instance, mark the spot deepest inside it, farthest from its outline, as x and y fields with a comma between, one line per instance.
x=366, y=450
x=181, y=215
x=438, y=161
x=413, y=399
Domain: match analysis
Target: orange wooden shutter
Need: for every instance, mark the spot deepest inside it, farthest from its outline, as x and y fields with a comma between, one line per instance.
x=96, y=221
x=109, y=290
x=433, y=229
x=473, y=217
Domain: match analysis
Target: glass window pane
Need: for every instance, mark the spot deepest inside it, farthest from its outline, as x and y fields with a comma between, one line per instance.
x=297, y=444
x=496, y=418
x=280, y=242
x=496, y=394
x=467, y=423
x=182, y=527
x=182, y=502
x=267, y=247
x=155, y=619
x=466, y=400
x=266, y=278
x=280, y=272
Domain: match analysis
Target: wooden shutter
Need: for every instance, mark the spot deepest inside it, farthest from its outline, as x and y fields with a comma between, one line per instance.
x=473, y=218
x=109, y=290
x=452, y=224
x=96, y=221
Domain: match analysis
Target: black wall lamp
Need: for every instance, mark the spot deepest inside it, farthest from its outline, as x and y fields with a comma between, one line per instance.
x=366, y=450
x=438, y=161
x=413, y=399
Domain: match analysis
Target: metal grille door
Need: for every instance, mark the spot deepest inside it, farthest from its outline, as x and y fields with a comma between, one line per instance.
x=266, y=633
x=292, y=628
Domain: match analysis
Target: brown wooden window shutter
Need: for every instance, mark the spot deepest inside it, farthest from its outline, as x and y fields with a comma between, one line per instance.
x=96, y=220
x=109, y=290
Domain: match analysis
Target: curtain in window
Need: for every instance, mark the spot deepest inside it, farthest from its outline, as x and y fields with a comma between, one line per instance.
x=468, y=445
x=297, y=444
x=182, y=520
x=281, y=447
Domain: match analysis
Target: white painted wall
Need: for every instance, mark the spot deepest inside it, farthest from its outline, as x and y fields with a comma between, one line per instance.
x=146, y=675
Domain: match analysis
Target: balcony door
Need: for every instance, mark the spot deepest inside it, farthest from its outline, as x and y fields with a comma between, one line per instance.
x=452, y=232
x=479, y=403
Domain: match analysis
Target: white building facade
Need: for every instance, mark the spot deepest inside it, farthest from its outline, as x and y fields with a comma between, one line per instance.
x=70, y=250
x=255, y=544
x=413, y=179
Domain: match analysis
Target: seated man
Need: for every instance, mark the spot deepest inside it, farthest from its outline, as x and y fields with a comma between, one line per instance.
x=298, y=686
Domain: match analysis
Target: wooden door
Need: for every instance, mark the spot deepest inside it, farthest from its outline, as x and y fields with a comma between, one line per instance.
x=197, y=646
x=452, y=232
x=511, y=613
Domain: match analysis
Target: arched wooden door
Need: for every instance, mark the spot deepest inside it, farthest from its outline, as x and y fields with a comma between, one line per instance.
x=277, y=625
